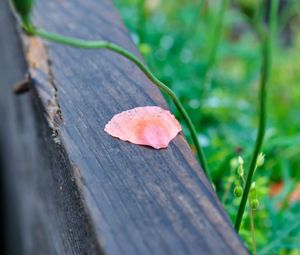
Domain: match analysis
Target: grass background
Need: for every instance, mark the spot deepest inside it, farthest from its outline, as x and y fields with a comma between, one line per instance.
x=175, y=38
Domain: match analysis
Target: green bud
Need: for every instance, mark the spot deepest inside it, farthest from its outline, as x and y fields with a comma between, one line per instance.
x=238, y=191
x=240, y=170
x=252, y=186
x=254, y=204
x=260, y=160
x=240, y=160
x=23, y=8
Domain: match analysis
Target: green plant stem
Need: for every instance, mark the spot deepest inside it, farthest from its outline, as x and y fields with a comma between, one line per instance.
x=267, y=45
x=113, y=47
x=215, y=40
x=251, y=215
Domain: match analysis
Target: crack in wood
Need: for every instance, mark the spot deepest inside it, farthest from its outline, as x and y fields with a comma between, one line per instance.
x=43, y=81
x=22, y=86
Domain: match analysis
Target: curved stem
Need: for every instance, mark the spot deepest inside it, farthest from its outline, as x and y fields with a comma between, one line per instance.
x=266, y=68
x=113, y=47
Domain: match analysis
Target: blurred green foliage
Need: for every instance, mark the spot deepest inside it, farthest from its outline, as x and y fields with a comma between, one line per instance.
x=175, y=38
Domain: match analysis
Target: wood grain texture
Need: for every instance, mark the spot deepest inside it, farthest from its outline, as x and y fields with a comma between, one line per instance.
x=87, y=193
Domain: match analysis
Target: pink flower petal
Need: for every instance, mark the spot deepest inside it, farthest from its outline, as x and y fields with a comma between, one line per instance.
x=148, y=125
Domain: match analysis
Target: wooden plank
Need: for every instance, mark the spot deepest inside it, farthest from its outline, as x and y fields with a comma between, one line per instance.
x=44, y=210
x=81, y=191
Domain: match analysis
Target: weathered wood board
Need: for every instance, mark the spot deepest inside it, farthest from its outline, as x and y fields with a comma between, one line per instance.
x=73, y=189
